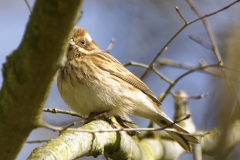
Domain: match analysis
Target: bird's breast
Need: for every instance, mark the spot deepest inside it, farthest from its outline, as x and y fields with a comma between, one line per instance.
x=83, y=89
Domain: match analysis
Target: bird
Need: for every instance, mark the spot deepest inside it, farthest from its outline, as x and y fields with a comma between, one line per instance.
x=93, y=81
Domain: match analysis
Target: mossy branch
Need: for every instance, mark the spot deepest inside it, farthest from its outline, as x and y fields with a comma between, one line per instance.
x=30, y=70
x=116, y=145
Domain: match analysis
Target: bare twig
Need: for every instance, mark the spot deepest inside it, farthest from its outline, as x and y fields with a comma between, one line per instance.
x=168, y=62
x=131, y=63
x=180, y=14
x=198, y=97
x=200, y=41
x=105, y=156
x=28, y=6
x=161, y=75
x=167, y=128
x=180, y=30
x=73, y=124
x=55, y=110
x=110, y=45
x=190, y=97
x=37, y=141
x=120, y=130
x=152, y=68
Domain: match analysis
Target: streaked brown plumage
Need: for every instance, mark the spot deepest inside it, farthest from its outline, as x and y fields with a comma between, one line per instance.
x=94, y=81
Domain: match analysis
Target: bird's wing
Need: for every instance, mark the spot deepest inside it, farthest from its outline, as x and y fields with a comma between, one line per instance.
x=109, y=64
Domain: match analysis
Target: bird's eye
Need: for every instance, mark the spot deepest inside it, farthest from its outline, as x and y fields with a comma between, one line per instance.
x=83, y=42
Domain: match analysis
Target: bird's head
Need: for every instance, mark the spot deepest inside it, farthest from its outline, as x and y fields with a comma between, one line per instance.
x=81, y=43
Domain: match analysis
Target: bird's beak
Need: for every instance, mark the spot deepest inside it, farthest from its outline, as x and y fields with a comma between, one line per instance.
x=71, y=42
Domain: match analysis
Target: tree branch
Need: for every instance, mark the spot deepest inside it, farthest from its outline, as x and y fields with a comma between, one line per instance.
x=116, y=145
x=30, y=70
x=210, y=143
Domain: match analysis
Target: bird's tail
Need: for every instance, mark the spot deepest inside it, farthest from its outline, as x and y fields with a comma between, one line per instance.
x=184, y=140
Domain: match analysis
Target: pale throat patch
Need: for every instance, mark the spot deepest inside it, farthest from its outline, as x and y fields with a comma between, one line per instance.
x=88, y=37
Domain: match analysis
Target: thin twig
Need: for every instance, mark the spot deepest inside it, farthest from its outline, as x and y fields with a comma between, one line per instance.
x=105, y=156
x=120, y=130
x=172, y=63
x=28, y=6
x=200, y=41
x=180, y=14
x=208, y=15
x=110, y=45
x=198, y=97
x=131, y=63
x=73, y=124
x=152, y=68
x=37, y=141
x=55, y=110
x=167, y=128
x=161, y=75
x=180, y=30
x=190, y=97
